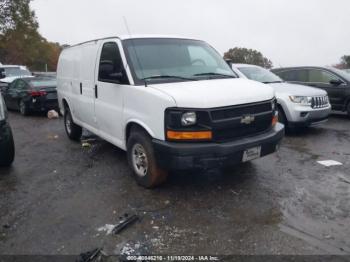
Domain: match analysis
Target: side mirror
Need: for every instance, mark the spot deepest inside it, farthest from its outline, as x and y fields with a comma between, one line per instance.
x=229, y=62
x=108, y=74
x=336, y=82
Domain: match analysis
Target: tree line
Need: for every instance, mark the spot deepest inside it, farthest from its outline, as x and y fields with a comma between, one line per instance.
x=21, y=42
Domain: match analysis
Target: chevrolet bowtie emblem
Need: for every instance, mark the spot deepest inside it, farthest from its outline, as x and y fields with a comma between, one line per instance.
x=248, y=119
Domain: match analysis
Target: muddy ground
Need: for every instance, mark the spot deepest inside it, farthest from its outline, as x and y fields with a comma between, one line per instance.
x=58, y=194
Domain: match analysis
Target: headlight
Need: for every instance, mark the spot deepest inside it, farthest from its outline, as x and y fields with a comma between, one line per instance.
x=303, y=100
x=189, y=119
x=2, y=109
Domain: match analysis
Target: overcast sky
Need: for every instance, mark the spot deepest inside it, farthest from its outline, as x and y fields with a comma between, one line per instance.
x=289, y=32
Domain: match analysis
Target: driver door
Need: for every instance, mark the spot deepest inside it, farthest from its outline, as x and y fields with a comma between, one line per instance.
x=111, y=81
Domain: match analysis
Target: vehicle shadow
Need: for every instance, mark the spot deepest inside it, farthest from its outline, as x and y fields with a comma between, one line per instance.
x=340, y=116
x=308, y=131
x=212, y=178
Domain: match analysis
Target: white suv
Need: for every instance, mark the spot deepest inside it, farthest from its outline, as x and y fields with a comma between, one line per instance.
x=298, y=105
x=171, y=103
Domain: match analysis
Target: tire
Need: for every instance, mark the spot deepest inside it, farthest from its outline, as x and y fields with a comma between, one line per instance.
x=73, y=130
x=142, y=161
x=7, y=149
x=23, y=108
x=348, y=109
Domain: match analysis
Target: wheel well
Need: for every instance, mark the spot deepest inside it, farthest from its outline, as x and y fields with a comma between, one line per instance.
x=131, y=127
x=280, y=107
x=65, y=104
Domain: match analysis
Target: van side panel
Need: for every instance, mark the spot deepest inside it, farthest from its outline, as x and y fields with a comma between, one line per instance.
x=68, y=80
x=86, y=84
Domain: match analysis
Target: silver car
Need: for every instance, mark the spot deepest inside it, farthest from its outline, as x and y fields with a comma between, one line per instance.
x=298, y=105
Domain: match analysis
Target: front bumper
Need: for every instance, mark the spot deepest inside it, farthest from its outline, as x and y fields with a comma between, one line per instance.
x=304, y=116
x=181, y=156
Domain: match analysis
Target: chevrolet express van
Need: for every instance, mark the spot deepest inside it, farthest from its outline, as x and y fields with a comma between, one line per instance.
x=170, y=103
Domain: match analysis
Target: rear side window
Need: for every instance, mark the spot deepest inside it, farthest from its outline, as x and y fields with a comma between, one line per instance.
x=20, y=84
x=294, y=75
x=320, y=76
x=111, y=66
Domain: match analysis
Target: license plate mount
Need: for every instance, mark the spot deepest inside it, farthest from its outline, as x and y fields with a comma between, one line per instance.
x=251, y=154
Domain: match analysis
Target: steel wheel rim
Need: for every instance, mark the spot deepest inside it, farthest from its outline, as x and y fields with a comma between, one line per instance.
x=69, y=124
x=139, y=160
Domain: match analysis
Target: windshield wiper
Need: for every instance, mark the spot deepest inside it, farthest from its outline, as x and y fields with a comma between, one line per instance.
x=273, y=82
x=214, y=74
x=167, y=76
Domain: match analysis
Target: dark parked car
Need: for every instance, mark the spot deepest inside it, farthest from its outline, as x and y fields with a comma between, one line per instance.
x=336, y=82
x=7, y=147
x=31, y=94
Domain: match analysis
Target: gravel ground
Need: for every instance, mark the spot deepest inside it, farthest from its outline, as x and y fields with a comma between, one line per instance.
x=58, y=195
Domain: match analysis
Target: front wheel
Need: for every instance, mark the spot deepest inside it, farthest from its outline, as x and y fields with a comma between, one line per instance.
x=73, y=130
x=142, y=160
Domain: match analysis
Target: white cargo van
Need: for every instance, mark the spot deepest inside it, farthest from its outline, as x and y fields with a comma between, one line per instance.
x=171, y=103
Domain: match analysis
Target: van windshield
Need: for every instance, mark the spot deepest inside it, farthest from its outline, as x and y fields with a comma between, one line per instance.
x=162, y=60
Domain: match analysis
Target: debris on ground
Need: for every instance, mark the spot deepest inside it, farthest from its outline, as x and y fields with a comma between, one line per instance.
x=6, y=226
x=131, y=248
x=329, y=163
x=108, y=228
x=343, y=179
x=125, y=221
x=85, y=145
x=89, y=256
x=52, y=137
x=52, y=114
x=234, y=192
x=88, y=140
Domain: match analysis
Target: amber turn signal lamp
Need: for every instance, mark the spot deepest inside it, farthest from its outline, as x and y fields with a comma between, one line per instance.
x=275, y=119
x=196, y=135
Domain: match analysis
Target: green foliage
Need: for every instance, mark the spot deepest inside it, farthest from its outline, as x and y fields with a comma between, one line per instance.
x=20, y=41
x=247, y=56
x=345, y=60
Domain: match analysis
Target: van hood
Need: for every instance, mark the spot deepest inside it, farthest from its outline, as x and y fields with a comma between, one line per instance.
x=216, y=92
x=296, y=90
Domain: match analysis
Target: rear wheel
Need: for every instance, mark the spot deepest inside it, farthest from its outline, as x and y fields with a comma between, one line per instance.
x=23, y=108
x=73, y=130
x=7, y=149
x=348, y=109
x=142, y=160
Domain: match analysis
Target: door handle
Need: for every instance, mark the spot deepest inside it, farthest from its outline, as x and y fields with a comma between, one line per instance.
x=96, y=92
x=81, y=88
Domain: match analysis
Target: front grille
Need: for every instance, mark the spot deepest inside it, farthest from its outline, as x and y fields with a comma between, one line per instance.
x=238, y=111
x=319, y=102
x=227, y=122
